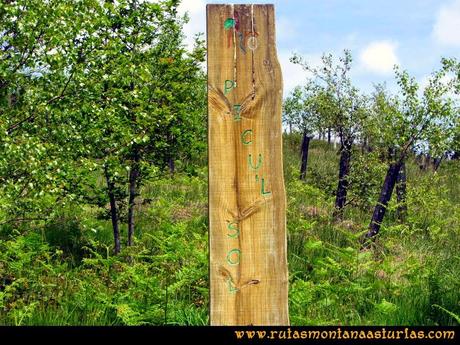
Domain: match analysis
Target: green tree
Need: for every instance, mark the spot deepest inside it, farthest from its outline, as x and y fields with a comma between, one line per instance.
x=304, y=108
x=452, y=67
x=95, y=87
x=144, y=96
x=40, y=57
x=291, y=107
x=409, y=123
x=343, y=108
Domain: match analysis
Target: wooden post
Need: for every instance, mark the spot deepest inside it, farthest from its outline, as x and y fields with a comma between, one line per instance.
x=247, y=203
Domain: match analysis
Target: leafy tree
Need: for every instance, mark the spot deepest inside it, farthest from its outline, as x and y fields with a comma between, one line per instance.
x=301, y=110
x=291, y=107
x=452, y=67
x=95, y=87
x=344, y=110
x=40, y=57
x=408, y=123
x=144, y=96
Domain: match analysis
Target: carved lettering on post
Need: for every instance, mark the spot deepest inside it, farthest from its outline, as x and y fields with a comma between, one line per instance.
x=247, y=203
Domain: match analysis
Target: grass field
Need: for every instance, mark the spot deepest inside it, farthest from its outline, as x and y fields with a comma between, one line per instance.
x=62, y=271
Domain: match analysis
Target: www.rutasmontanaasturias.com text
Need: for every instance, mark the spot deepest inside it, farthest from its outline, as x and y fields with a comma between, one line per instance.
x=339, y=333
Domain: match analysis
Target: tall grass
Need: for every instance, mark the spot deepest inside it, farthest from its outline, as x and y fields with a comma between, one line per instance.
x=63, y=272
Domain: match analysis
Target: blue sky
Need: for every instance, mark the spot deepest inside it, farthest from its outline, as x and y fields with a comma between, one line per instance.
x=413, y=34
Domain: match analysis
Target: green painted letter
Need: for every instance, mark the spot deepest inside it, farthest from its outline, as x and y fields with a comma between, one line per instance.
x=228, y=86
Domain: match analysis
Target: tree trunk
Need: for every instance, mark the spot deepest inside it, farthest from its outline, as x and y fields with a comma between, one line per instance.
x=304, y=156
x=401, y=211
x=437, y=163
x=384, y=198
x=329, y=135
x=113, y=210
x=344, y=171
x=133, y=179
x=10, y=100
x=426, y=161
x=171, y=165
x=419, y=161
x=364, y=146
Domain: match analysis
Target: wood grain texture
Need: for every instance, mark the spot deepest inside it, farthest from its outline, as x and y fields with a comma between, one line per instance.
x=247, y=202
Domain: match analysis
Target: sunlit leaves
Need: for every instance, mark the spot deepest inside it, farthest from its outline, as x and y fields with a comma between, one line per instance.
x=83, y=82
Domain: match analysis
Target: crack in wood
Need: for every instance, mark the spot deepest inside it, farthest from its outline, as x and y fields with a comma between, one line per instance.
x=231, y=285
x=246, y=199
x=250, y=210
x=219, y=101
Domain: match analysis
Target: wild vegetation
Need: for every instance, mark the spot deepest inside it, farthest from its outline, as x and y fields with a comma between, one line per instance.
x=103, y=178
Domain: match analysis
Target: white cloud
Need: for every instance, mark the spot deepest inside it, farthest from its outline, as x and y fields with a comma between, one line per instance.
x=379, y=57
x=446, y=29
x=196, y=10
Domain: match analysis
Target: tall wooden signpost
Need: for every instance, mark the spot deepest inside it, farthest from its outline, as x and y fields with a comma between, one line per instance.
x=247, y=203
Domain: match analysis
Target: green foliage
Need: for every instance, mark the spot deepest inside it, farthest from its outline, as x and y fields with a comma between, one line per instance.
x=412, y=267
x=93, y=86
x=66, y=235
x=339, y=104
x=418, y=120
x=162, y=280
x=455, y=316
x=322, y=168
x=366, y=175
x=302, y=110
x=92, y=91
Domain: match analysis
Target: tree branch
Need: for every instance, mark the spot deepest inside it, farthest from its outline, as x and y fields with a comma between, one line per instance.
x=51, y=100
